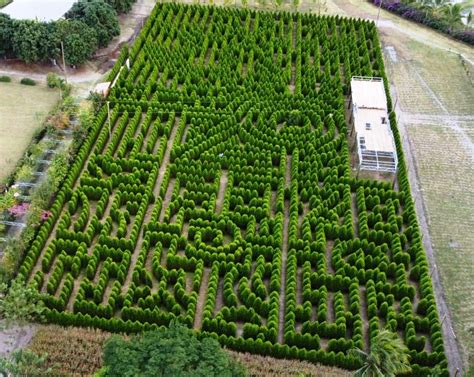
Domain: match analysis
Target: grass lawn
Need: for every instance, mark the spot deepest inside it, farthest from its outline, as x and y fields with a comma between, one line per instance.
x=22, y=109
x=443, y=155
x=449, y=196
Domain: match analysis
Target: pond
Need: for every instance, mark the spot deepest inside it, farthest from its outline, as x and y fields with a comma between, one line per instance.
x=40, y=10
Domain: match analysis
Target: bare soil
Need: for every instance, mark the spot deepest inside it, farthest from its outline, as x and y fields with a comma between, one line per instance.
x=201, y=302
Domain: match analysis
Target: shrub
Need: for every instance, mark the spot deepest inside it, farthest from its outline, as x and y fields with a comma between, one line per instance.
x=173, y=351
x=27, y=81
x=53, y=80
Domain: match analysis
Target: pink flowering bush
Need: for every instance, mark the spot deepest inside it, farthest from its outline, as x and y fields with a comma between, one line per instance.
x=18, y=210
x=45, y=215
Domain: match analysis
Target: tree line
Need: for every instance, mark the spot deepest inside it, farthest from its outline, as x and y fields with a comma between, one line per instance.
x=87, y=26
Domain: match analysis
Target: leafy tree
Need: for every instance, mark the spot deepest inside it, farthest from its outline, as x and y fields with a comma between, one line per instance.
x=452, y=14
x=388, y=357
x=175, y=351
x=80, y=41
x=121, y=6
x=50, y=45
x=6, y=34
x=98, y=15
x=31, y=41
x=23, y=362
x=21, y=303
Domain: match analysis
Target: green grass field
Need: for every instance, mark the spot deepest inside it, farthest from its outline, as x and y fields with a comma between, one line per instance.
x=442, y=143
x=449, y=197
x=22, y=109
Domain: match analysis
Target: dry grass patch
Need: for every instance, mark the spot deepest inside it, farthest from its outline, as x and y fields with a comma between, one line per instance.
x=22, y=109
x=71, y=351
x=265, y=366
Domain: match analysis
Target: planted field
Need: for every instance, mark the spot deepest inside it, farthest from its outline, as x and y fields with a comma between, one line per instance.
x=70, y=351
x=75, y=351
x=219, y=193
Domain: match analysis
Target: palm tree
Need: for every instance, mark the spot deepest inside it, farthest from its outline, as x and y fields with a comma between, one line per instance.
x=452, y=14
x=388, y=356
x=433, y=7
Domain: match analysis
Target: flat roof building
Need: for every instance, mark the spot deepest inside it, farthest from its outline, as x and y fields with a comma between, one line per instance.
x=373, y=135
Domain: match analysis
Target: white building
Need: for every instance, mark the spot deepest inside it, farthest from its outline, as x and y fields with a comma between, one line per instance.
x=375, y=145
x=38, y=10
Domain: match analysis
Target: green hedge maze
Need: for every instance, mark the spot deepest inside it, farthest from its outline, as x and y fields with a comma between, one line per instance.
x=219, y=193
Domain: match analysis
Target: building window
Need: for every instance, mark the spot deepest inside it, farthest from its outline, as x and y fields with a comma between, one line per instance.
x=368, y=127
x=384, y=120
x=362, y=143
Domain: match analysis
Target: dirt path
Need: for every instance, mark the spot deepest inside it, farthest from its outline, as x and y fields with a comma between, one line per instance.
x=15, y=337
x=364, y=317
x=330, y=301
x=284, y=254
x=168, y=194
x=329, y=247
x=164, y=165
x=292, y=83
x=201, y=301
x=355, y=217
x=284, y=257
x=221, y=194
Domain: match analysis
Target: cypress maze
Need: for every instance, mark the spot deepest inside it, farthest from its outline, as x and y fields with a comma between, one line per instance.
x=219, y=193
